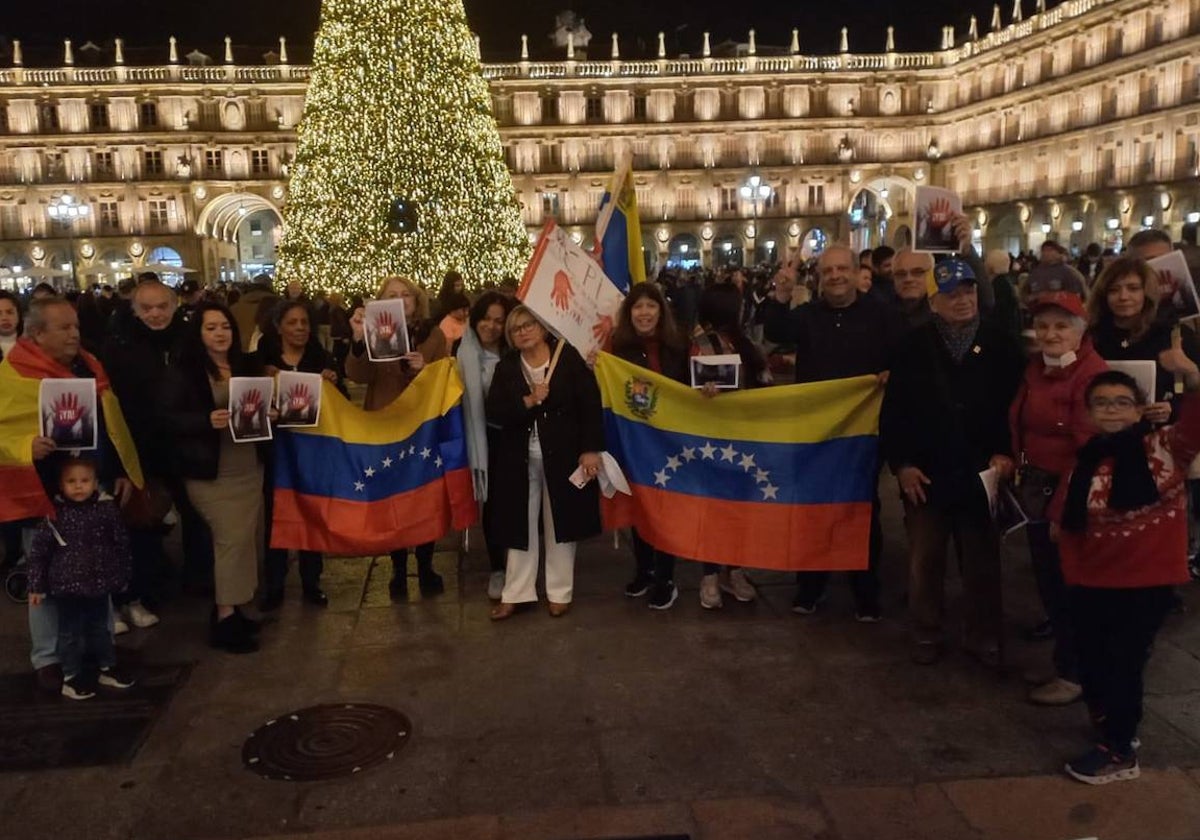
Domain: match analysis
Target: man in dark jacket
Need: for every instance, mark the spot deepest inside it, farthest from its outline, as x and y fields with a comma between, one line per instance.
x=137, y=358
x=839, y=335
x=945, y=421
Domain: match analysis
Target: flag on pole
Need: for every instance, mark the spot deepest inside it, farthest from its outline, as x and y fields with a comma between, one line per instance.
x=619, y=233
x=775, y=478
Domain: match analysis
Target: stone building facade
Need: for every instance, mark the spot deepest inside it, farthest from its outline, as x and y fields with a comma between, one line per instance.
x=1080, y=122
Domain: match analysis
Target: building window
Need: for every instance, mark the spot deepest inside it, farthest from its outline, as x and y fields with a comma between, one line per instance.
x=109, y=216
x=552, y=108
x=3, y=118
x=639, y=107
x=102, y=165
x=550, y=205
x=260, y=162
x=214, y=162
x=257, y=252
x=99, y=116
x=729, y=199
x=149, y=115
x=10, y=221
x=816, y=195
x=153, y=162
x=158, y=214
x=256, y=228
x=595, y=109
x=48, y=117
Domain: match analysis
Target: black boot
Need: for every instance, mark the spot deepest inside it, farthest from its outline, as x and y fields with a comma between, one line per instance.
x=429, y=581
x=272, y=601
x=315, y=596
x=231, y=634
x=398, y=586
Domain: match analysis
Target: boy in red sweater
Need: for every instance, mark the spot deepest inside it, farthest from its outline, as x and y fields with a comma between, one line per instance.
x=1121, y=522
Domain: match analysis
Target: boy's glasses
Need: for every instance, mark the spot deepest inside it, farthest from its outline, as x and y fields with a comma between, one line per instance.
x=1108, y=403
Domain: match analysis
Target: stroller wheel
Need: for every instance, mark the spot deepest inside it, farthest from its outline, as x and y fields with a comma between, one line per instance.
x=16, y=586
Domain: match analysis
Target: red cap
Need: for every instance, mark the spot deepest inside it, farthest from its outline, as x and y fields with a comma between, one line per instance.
x=1068, y=301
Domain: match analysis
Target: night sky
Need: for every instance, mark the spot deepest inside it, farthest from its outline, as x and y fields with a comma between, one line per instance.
x=204, y=23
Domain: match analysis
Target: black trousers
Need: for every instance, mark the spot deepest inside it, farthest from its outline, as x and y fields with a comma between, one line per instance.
x=497, y=553
x=424, y=560
x=652, y=563
x=83, y=631
x=864, y=584
x=275, y=569
x=149, y=568
x=197, y=539
x=1115, y=629
x=11, y=532
x=1047, y=572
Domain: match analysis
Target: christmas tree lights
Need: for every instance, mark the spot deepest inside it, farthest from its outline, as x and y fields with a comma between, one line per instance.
x=398, y=110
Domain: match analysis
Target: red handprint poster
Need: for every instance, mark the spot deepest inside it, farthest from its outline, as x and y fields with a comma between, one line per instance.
x=569, y=292
x=299, y=401
x=249, y=408
x=385, y=330
x=1176, y=287
x=935, y=213
x=68, y=412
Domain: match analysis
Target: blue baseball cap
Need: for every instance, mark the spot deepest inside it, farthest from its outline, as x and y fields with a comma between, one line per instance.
x=949, y=274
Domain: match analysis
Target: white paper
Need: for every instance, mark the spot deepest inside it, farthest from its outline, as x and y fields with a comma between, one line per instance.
x=991, y=485
x=724, y=371
x=298, y=399
x=68, y=409
x=569, y=292
x=1144, y=373
x=249, y=406
x=1177, y=289
x=935, y=211
x=612, y=478
x=385, y=330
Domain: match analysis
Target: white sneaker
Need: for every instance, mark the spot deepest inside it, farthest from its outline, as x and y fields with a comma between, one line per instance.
x=120, y=628
x=139, y=616
x=710, y=593
x=737, y=585
x=496, y=586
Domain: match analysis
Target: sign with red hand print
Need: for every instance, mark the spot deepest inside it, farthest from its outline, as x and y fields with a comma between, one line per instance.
x=936, y=210
x=567, y=289
x=249, y=407
x=1176, y=288
x=385, y=330
x=299, y=403
x=69, y=412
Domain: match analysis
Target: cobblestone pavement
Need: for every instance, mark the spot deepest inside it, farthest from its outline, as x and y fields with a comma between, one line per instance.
x=617, y=721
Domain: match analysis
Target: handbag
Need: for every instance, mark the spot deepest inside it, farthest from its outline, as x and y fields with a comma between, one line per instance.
x=147, y=507
x=1034, y=489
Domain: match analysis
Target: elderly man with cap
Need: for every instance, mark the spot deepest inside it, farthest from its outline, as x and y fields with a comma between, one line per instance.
x=1050, y=422
x=944, y=422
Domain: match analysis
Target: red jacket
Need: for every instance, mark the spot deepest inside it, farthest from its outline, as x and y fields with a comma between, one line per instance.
x=1049, y=417
x=1146, y=547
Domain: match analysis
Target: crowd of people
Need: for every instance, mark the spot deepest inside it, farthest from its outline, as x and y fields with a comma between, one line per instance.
x=996, y=373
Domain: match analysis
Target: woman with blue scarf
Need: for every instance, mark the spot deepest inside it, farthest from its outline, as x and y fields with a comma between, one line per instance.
x=478, y=352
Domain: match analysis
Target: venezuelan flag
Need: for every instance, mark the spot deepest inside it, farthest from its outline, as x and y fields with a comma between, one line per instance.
x=776, y=478
x=22, y=495
x=619, y=234
x=367, y=482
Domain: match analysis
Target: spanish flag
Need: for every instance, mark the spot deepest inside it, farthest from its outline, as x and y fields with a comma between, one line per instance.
x=21, y=373
x=367, y=482
x=776, y=478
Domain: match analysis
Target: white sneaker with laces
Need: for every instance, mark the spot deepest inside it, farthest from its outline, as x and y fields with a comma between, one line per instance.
x=139, y=616
x=710, y=593
x=738, y=585
x=120, y=628
x=496, y=586
x=73, y=690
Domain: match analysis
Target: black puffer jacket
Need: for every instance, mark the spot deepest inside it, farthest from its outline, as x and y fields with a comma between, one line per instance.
x=187, y=408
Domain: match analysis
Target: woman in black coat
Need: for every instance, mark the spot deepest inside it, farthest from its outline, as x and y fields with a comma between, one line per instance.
x=294, y=347
x=546, y=406
x=224, y=479
x=647, y=336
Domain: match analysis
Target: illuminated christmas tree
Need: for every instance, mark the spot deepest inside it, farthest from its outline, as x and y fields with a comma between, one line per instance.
x=399, y=168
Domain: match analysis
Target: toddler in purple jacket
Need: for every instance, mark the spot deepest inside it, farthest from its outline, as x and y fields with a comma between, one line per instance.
x=80, y=559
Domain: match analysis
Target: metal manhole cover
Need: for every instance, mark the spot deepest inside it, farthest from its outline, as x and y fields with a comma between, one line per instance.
x=326, y=742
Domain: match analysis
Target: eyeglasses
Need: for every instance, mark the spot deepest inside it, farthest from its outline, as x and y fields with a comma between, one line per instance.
x=914, y=272
x=524, y=326
x=1122, y=403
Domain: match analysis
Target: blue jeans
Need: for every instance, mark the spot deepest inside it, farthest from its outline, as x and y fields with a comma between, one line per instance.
x=83, y=629
x=43, y=634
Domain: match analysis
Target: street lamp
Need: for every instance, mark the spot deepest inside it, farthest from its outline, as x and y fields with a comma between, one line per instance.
x=754, y=191
x=66, y=211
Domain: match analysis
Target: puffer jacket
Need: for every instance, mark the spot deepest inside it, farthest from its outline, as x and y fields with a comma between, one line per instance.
x=84, y=552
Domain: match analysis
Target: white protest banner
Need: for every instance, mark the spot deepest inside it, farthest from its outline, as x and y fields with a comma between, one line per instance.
x=566, y=288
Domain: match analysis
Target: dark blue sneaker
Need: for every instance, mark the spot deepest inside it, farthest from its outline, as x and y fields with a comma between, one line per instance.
x=1100, y=765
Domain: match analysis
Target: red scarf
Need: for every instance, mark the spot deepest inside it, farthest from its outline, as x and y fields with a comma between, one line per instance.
x=31, y=361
